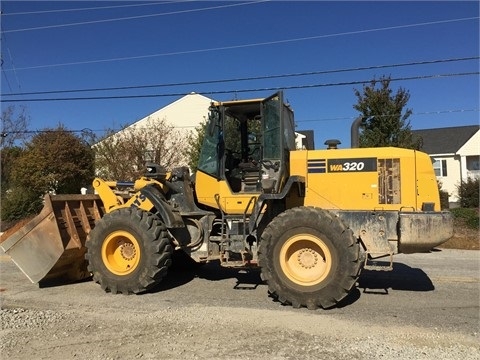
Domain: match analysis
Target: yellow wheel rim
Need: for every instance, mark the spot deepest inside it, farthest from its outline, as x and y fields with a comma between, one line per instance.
x=121, y=253
x=305, y=260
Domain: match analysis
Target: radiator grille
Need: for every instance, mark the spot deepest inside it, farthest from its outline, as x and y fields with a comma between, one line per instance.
x=389, y=181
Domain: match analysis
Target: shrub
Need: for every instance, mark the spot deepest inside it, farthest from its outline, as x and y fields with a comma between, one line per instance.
x=470, y=216
x=444, y=203
x=468, y=192
x=19, y=203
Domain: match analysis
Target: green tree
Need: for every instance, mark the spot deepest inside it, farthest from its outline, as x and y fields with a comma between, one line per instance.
x=55, y=160
x=8, y=157
x=384, y=116
x=195, y=141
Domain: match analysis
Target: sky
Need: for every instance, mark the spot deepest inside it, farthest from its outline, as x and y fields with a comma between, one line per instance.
x=318, y=52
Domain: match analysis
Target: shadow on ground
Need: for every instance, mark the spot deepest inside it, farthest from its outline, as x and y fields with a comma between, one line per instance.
x=402, y=278
x=184, y=270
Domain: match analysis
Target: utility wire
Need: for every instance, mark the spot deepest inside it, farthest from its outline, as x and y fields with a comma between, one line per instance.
x=134, y=17
x=92, y=8
x=438, y=112
x=87, y=130
x=6, y=79
x=4, y=41
x=252, y=78
x=232, y=47
x=421, y=77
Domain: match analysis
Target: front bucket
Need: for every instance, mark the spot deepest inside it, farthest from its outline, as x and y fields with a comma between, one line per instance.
x=51, y=247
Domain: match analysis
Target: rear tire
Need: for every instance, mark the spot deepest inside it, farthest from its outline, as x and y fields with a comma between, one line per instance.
x=128, y=251
x=308, y=257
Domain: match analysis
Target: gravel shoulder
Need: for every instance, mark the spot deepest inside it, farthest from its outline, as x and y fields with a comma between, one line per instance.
x=218, y=313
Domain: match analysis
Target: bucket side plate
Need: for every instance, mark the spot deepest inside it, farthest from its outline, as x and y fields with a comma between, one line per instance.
x=52, y=245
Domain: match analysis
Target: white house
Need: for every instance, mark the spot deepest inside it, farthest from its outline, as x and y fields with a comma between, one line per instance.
x=456, y=155
x=184, y=113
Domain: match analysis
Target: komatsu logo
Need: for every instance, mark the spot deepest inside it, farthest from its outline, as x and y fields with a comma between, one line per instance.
x=348, y=166
x=352, y=165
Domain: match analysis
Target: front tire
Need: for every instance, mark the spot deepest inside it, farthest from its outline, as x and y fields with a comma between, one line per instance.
x=128, y=251
x=308, y=257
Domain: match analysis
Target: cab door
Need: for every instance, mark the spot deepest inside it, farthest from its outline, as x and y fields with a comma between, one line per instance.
x=207, y=177
x=278, y=140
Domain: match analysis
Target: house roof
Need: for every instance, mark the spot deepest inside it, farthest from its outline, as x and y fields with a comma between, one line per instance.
x=309, y=140
x=445, y=140
x=185, y=111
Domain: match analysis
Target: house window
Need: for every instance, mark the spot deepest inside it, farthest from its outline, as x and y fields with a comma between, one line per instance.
x=473, y=163
x=440, y=167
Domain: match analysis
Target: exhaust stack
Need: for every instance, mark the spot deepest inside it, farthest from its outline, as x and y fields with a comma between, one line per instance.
x=355, y=132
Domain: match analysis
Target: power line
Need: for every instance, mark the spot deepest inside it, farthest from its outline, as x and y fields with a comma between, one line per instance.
x=91, y=8
x=88, y=130
x=85, y=130
x=437, y=112
x=134, y=17
x=252, y=78
x=232, y=47
x=4, y=40
x=6, y=79
x=293, y=87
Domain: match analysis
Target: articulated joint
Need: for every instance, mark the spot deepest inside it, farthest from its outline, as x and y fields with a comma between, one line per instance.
x=171, y=218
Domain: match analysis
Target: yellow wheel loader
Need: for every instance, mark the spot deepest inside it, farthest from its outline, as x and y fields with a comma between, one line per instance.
x=310, y=219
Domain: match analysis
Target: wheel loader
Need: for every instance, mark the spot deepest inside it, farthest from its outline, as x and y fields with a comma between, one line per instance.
x=311, y=220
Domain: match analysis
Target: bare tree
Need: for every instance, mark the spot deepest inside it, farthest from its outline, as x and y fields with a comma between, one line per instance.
x=122, y=155
x=14, y=133
x=14, y=127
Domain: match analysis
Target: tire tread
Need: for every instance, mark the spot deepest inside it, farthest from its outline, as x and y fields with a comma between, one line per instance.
x=343, y=240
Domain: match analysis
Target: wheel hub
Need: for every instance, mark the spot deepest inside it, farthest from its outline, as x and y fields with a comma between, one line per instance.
x=127, y=250
x=307, y=258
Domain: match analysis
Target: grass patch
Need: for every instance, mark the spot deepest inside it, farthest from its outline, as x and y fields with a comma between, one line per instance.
x=469, y=216
x=466, y=234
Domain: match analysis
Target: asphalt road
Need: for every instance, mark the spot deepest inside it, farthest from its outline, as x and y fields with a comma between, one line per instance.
x=438, y=289
x=434, y=293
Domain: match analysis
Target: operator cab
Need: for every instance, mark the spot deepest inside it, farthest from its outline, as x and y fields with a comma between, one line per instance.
x=247, y=144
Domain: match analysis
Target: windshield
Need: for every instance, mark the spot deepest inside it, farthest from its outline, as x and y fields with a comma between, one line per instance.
x=208, y=161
